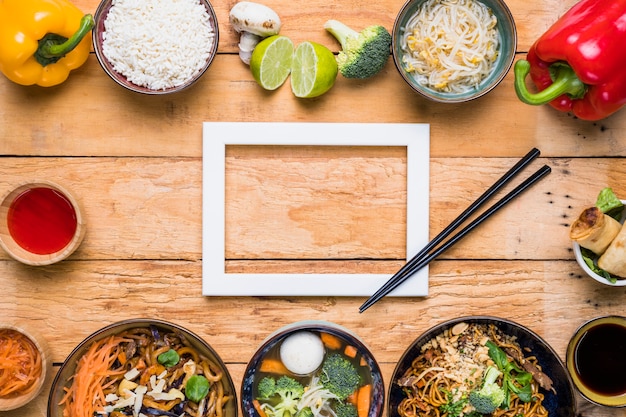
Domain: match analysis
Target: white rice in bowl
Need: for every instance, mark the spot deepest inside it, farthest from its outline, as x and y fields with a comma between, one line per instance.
x=158, y=44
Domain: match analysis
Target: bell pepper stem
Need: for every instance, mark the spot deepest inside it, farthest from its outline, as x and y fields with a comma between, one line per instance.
x=53, y=47
x=564, y=81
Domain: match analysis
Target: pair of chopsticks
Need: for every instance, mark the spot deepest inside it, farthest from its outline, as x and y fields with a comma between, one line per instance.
x=424, y=256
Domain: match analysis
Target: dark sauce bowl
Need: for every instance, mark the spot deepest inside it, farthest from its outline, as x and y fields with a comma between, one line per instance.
x=561, y=403
x=273, y=340
x=596, y=360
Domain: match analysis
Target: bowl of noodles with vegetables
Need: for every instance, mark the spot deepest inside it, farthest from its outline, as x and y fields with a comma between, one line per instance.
x=143, y=367
x=480, y=365
x=452, y=51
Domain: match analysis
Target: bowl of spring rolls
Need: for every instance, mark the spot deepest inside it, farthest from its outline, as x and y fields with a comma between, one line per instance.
x=599, y=239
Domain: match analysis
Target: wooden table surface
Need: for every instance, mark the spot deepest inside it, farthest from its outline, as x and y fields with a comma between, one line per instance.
x=135, y=164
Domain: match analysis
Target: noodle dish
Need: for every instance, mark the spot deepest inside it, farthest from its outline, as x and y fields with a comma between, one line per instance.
x=142, y=368
x=480, y=366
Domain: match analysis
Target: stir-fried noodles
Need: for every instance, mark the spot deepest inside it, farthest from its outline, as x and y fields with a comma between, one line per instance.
x=450, y=45
x=452, y=365
x=143, y=371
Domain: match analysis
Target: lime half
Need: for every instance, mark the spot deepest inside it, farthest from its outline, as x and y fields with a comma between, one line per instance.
x=313, y=70
x=271, y=61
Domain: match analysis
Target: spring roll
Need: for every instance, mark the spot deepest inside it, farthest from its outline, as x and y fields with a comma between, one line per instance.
x=594, y=230
x=613, y=260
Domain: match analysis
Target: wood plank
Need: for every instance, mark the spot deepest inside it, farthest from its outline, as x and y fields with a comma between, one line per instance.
x=107, y=120
x=69, y=301
x=165, y=194
x=305, y=21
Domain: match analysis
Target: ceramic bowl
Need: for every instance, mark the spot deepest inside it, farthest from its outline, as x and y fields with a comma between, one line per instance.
x=154, y=330
x=583, y=265
x=506, y=55
x=595, y=360
x=39, y=345
x=334, y=338
x=47, y=205
x=98, y=34
x=560, y=403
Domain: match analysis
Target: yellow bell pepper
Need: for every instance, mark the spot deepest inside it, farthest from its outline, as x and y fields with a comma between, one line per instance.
x=41, y=41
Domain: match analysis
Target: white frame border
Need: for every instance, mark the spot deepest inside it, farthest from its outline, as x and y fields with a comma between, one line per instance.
x=218, y=135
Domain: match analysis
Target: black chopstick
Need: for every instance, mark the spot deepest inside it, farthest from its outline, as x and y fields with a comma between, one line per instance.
x=480, y=201
x=418, y=261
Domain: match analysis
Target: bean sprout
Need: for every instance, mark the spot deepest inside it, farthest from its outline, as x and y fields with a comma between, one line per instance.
x=451, y=45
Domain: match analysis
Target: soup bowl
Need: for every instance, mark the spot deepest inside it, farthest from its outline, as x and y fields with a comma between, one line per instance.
x=160, y=361
x=505, y=53
x=316, y=357
x=559, y=400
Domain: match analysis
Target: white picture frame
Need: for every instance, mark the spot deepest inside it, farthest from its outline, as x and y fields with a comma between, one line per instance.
x=218, y=135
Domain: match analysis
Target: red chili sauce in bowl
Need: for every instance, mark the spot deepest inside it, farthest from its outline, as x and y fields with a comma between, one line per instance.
x=42, y=220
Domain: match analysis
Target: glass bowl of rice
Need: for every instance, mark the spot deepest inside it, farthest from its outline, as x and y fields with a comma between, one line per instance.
x=439, y=370
x=452, y=51
x=156, y=47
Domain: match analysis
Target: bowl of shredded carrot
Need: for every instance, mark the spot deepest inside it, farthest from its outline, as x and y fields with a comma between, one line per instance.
x=23, y=366
x=143, y=367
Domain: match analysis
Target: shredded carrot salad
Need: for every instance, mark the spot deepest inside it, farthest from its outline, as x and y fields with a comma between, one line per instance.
x=20, y=364
x=85, y=397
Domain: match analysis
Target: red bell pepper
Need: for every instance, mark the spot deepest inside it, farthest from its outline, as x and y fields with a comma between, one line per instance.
x=578, y=65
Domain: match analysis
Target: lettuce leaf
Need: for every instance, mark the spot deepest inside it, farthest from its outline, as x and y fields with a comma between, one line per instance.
x=609, y=204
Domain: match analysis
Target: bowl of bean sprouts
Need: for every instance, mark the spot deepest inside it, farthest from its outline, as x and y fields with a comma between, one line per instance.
x=452, y=51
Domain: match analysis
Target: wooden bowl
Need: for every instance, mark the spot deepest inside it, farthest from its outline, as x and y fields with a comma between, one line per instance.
x=593, y=360
x=12, y=402
x=38, y=256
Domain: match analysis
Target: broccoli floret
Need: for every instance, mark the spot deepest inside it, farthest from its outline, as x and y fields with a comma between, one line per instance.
x=490, y=396
x=343, y=409
x=282, y=396
x=305, y=412
x=363, y=54
x=339, y=376
x=266, y=387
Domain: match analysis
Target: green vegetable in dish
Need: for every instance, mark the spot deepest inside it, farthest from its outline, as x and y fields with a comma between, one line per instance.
x=365, y=53
x=283, y=394
x=197, y=388
x=339, y=376
x=491, y=395
x=452, y=407
x=168, y=358
x=514, y=379
x=305, y=412
x=608, y=203
x=344, y=409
